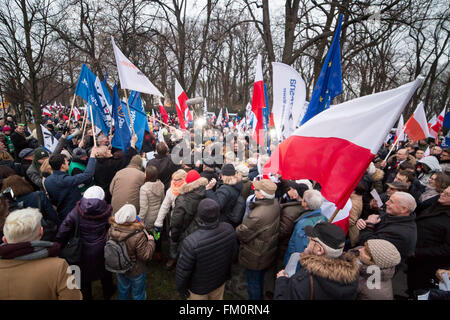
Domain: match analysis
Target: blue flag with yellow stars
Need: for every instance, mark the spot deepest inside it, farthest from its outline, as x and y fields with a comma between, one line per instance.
x=329, y=83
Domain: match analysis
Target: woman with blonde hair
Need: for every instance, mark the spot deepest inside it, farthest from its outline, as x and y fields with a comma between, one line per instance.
x=178, y=179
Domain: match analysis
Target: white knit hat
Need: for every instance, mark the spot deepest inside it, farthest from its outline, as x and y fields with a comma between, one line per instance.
x=125, y=214
x=384, y=253
x=94, y=192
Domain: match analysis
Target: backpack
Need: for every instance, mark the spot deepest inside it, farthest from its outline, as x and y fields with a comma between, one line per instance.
x=116, y=255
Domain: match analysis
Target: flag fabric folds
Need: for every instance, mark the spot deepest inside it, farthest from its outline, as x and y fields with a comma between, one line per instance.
x=258, y=103
x=289, y=94
x=336, y=146
x=329, y=83
x=219, y=118
x=86, y=89
x=130, y=76
x=437, y=126
x=122, y=133
x=138, y=120
x=50, y=142
x=184, y=115
x=417, y=126
x=400, y=133
x=163, y=113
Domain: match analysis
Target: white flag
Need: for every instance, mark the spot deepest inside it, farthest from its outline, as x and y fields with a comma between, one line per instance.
x=205, y=108
x=219, y=118
x=130, y=76
x=50, y=142
x=289, y=94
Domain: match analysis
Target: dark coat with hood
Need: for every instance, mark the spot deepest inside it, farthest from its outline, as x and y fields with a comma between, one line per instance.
x=400, y=231
x=182, y=221
x=93, y=215
x=332, y=279
x=289, y=213
x=206, y=257
x=165, y=167
x=107, y=169
x=226, y=196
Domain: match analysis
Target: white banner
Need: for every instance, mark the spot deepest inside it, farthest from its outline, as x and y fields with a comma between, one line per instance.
x=50, y=142
x=289, y=94
x=130, y=76
x=219, y=118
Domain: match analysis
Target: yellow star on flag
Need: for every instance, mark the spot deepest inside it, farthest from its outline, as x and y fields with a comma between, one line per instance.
x=329, y=64
x=320, y=99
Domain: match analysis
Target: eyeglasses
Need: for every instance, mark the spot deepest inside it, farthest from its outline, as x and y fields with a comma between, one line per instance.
x=446, y=194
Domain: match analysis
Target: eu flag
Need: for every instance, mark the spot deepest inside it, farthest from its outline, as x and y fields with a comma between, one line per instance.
x=329, y=83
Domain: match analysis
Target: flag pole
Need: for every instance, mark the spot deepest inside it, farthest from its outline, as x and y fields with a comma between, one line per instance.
x=395, y=143
x=71, y=108
x=129, y=113
x=84, y=125
x=93, y=127
x=334, y=215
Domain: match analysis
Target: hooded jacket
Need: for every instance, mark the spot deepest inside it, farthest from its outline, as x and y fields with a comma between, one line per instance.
x=93, y=215
x=226, y=196
x=151, y=195
x=432, y=163
x=140, y=249
x=165, y=167
x=332, y=279
x=182, y=222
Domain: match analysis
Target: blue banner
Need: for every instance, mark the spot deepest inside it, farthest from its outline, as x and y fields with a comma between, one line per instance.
x=122, y=134
x=86, y=90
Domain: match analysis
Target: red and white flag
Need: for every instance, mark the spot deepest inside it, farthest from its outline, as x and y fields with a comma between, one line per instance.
x=163, y=113
x=338, y=144
x=46, y=111
x=258, y=102
x=342, y=219
x=437, y=125
x=400, y=133
x=184, y=115
x=427, y=152
x=417, y=126
x=76, y=113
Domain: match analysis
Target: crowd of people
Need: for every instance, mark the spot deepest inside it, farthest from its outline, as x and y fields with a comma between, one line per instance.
x=109, y=212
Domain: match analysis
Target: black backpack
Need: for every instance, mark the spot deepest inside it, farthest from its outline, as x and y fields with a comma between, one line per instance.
x=116, y=255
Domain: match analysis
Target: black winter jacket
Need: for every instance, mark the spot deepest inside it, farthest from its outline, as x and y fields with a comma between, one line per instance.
x=107, y=168
x=165, y=167
x=226, y=196
x=206, y=258
x=400, y=231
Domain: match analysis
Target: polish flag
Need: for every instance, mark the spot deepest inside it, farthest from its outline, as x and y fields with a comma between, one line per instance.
x=342, y=219
x=336, y=146
x=427, y=152
x=417, y=126
x=258, y=102
x=437, y=126
x=431, y=123
x=400, y=133
x=163, y=112
x=46, y=111
x=76, y=113
x=184, y=115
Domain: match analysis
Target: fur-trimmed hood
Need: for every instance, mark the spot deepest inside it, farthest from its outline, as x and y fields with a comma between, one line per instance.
x=344, y=269
x=188, y=187
x=378, y=175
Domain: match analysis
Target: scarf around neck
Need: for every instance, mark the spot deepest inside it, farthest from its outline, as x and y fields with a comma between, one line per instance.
x=33, y=250
x=175, y=187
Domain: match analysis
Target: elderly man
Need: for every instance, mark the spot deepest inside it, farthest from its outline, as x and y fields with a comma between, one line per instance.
x=312, y=214
x=29, y=268
x=397, y=225
x=327, y=273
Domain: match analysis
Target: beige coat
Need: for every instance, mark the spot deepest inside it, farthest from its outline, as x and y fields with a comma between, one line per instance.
x=42, y=279
x=125, y=188
x=151, y=196
x=355, y=213
x=168, y=203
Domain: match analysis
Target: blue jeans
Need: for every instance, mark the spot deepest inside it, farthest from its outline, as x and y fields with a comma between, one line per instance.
x=134, y=284
x=255, y=283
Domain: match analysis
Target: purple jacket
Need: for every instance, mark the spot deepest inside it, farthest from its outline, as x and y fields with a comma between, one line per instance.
x=93, y=217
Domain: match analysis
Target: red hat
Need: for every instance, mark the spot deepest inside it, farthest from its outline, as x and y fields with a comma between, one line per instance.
x=6, y=128
x=192, y=175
